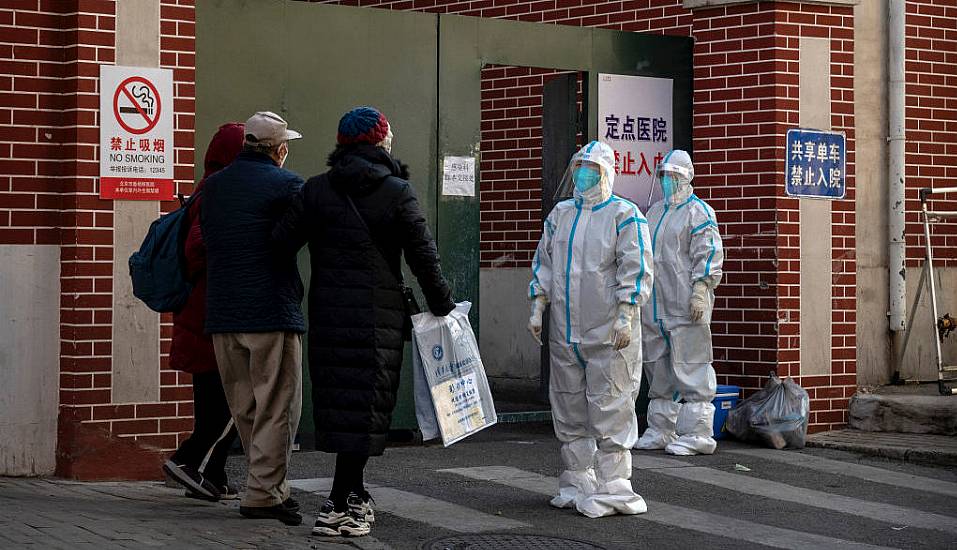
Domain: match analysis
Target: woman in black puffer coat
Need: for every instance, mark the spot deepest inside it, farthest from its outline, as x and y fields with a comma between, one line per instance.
x=358, y=321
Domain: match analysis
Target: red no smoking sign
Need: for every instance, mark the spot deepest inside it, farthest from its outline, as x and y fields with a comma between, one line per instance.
x=137, y=105
x=136, y=133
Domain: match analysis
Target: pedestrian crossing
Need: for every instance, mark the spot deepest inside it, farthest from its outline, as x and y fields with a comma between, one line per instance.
x=799, y=495
x=666, y=514
x=852, y=469
x=417, y=507
x=757, y=527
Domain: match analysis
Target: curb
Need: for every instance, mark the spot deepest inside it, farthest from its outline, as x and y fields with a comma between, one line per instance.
x=524, y=417
x=926, y=456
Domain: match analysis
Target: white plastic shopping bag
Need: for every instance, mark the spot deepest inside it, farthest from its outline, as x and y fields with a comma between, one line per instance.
x=452, y=395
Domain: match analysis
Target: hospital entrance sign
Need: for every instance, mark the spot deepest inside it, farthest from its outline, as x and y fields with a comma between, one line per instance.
x=136, y=133
x=636, y=119
x=816, y=164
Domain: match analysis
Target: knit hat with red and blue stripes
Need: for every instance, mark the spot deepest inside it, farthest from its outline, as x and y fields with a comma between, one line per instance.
x=362, y=125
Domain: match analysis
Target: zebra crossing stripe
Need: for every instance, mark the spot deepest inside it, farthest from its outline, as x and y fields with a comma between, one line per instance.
x=673, y=516
x=421, y=508
x=888, y=513
x=850, y=469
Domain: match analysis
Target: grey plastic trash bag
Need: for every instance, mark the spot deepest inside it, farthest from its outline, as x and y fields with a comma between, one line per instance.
x=452, y=395
x=776, y=416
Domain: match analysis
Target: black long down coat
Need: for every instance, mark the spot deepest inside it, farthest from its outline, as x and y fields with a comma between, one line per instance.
x=357, y=316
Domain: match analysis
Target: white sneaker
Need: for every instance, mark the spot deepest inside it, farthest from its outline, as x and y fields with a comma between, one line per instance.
x=330, y=523
x=362, y=506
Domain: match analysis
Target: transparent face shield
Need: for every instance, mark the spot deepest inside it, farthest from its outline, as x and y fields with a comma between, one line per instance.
x=669, y=178
x=580, y=177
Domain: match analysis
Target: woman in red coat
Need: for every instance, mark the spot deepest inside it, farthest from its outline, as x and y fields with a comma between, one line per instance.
x=199, y=463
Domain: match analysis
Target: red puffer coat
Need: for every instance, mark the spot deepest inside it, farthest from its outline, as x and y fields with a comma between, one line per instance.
x=192, y=349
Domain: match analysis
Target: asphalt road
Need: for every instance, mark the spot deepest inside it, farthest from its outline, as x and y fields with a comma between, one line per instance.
x=497, y=483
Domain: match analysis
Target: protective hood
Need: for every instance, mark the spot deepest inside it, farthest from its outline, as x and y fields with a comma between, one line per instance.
x=673, y=178
x=595, y=157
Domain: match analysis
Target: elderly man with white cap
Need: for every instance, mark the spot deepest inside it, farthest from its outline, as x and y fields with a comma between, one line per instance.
x=253, y=309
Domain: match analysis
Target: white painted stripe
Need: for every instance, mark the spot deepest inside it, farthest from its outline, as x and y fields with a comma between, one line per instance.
x=888, y=513
x=420, y=508
x=673, y=516
x=851, y=469
x=209, y=453
x=312, y=485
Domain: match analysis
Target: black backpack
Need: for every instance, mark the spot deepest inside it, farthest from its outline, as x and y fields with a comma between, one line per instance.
x=158, y=268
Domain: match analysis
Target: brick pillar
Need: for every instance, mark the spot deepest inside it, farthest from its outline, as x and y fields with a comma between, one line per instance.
x=100, y=436
x=747, y=95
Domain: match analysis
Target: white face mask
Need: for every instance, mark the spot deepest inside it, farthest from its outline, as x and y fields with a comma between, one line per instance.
x=386, y=143
x=283, y=154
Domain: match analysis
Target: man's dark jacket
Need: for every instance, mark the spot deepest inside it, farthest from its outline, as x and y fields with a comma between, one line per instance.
x=357, y=315
x=251, y=285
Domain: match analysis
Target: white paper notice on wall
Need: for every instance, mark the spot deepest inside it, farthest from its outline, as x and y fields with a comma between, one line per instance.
x=458, y=176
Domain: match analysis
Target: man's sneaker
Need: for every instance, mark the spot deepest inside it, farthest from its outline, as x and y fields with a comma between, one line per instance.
x=278, y=511
x=189, y=477
x=362, y=506
x=330, y=523
x=291, y=504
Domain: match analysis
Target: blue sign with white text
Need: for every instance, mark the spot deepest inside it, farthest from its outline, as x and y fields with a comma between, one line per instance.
x=816, y=164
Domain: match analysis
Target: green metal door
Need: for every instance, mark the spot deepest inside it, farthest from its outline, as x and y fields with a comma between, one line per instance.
x=311, y=63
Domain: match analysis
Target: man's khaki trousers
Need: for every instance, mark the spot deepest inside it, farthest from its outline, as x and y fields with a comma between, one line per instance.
x=262, y=377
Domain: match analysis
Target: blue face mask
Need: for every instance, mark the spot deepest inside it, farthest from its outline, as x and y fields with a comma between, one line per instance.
x=585, y=178
x=669, y=185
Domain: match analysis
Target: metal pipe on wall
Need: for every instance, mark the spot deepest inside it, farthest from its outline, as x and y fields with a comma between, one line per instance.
x=896, y=140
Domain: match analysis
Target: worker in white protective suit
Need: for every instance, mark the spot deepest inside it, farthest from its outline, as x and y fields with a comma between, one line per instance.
x=593, y=266
x=676, y=321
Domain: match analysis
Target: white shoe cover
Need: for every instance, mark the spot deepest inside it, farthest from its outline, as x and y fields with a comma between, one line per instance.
x=614, y=497
x=613, y=494
x=573, y=486
x=662, y=419
x=695, y=430
x=653, y=440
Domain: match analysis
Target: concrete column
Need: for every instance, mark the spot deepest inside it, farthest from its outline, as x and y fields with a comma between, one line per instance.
x=816, y=292
x=870, y=104
x=29, y=358
x=136, y=348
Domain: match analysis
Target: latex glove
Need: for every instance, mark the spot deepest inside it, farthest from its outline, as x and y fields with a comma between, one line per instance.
x=535, y=321
x=700, y=304
x=621, y=331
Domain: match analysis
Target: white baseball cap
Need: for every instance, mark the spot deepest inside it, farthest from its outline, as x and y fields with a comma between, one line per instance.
x=268, y=128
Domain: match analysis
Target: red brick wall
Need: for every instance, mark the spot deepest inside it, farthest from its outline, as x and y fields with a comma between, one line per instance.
x=738, y=112
x=931, y=88
x=829, y=393
x=87, y=236
x=510, y=195
x=33, y=138
x=50, y=52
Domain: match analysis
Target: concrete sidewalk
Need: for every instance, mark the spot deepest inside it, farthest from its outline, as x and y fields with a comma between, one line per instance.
x=911, y=422
x=932, y=449
x=44, y=513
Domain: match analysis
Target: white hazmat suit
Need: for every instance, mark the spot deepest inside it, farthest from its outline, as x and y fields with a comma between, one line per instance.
x=676, y=321
x=594, y=266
